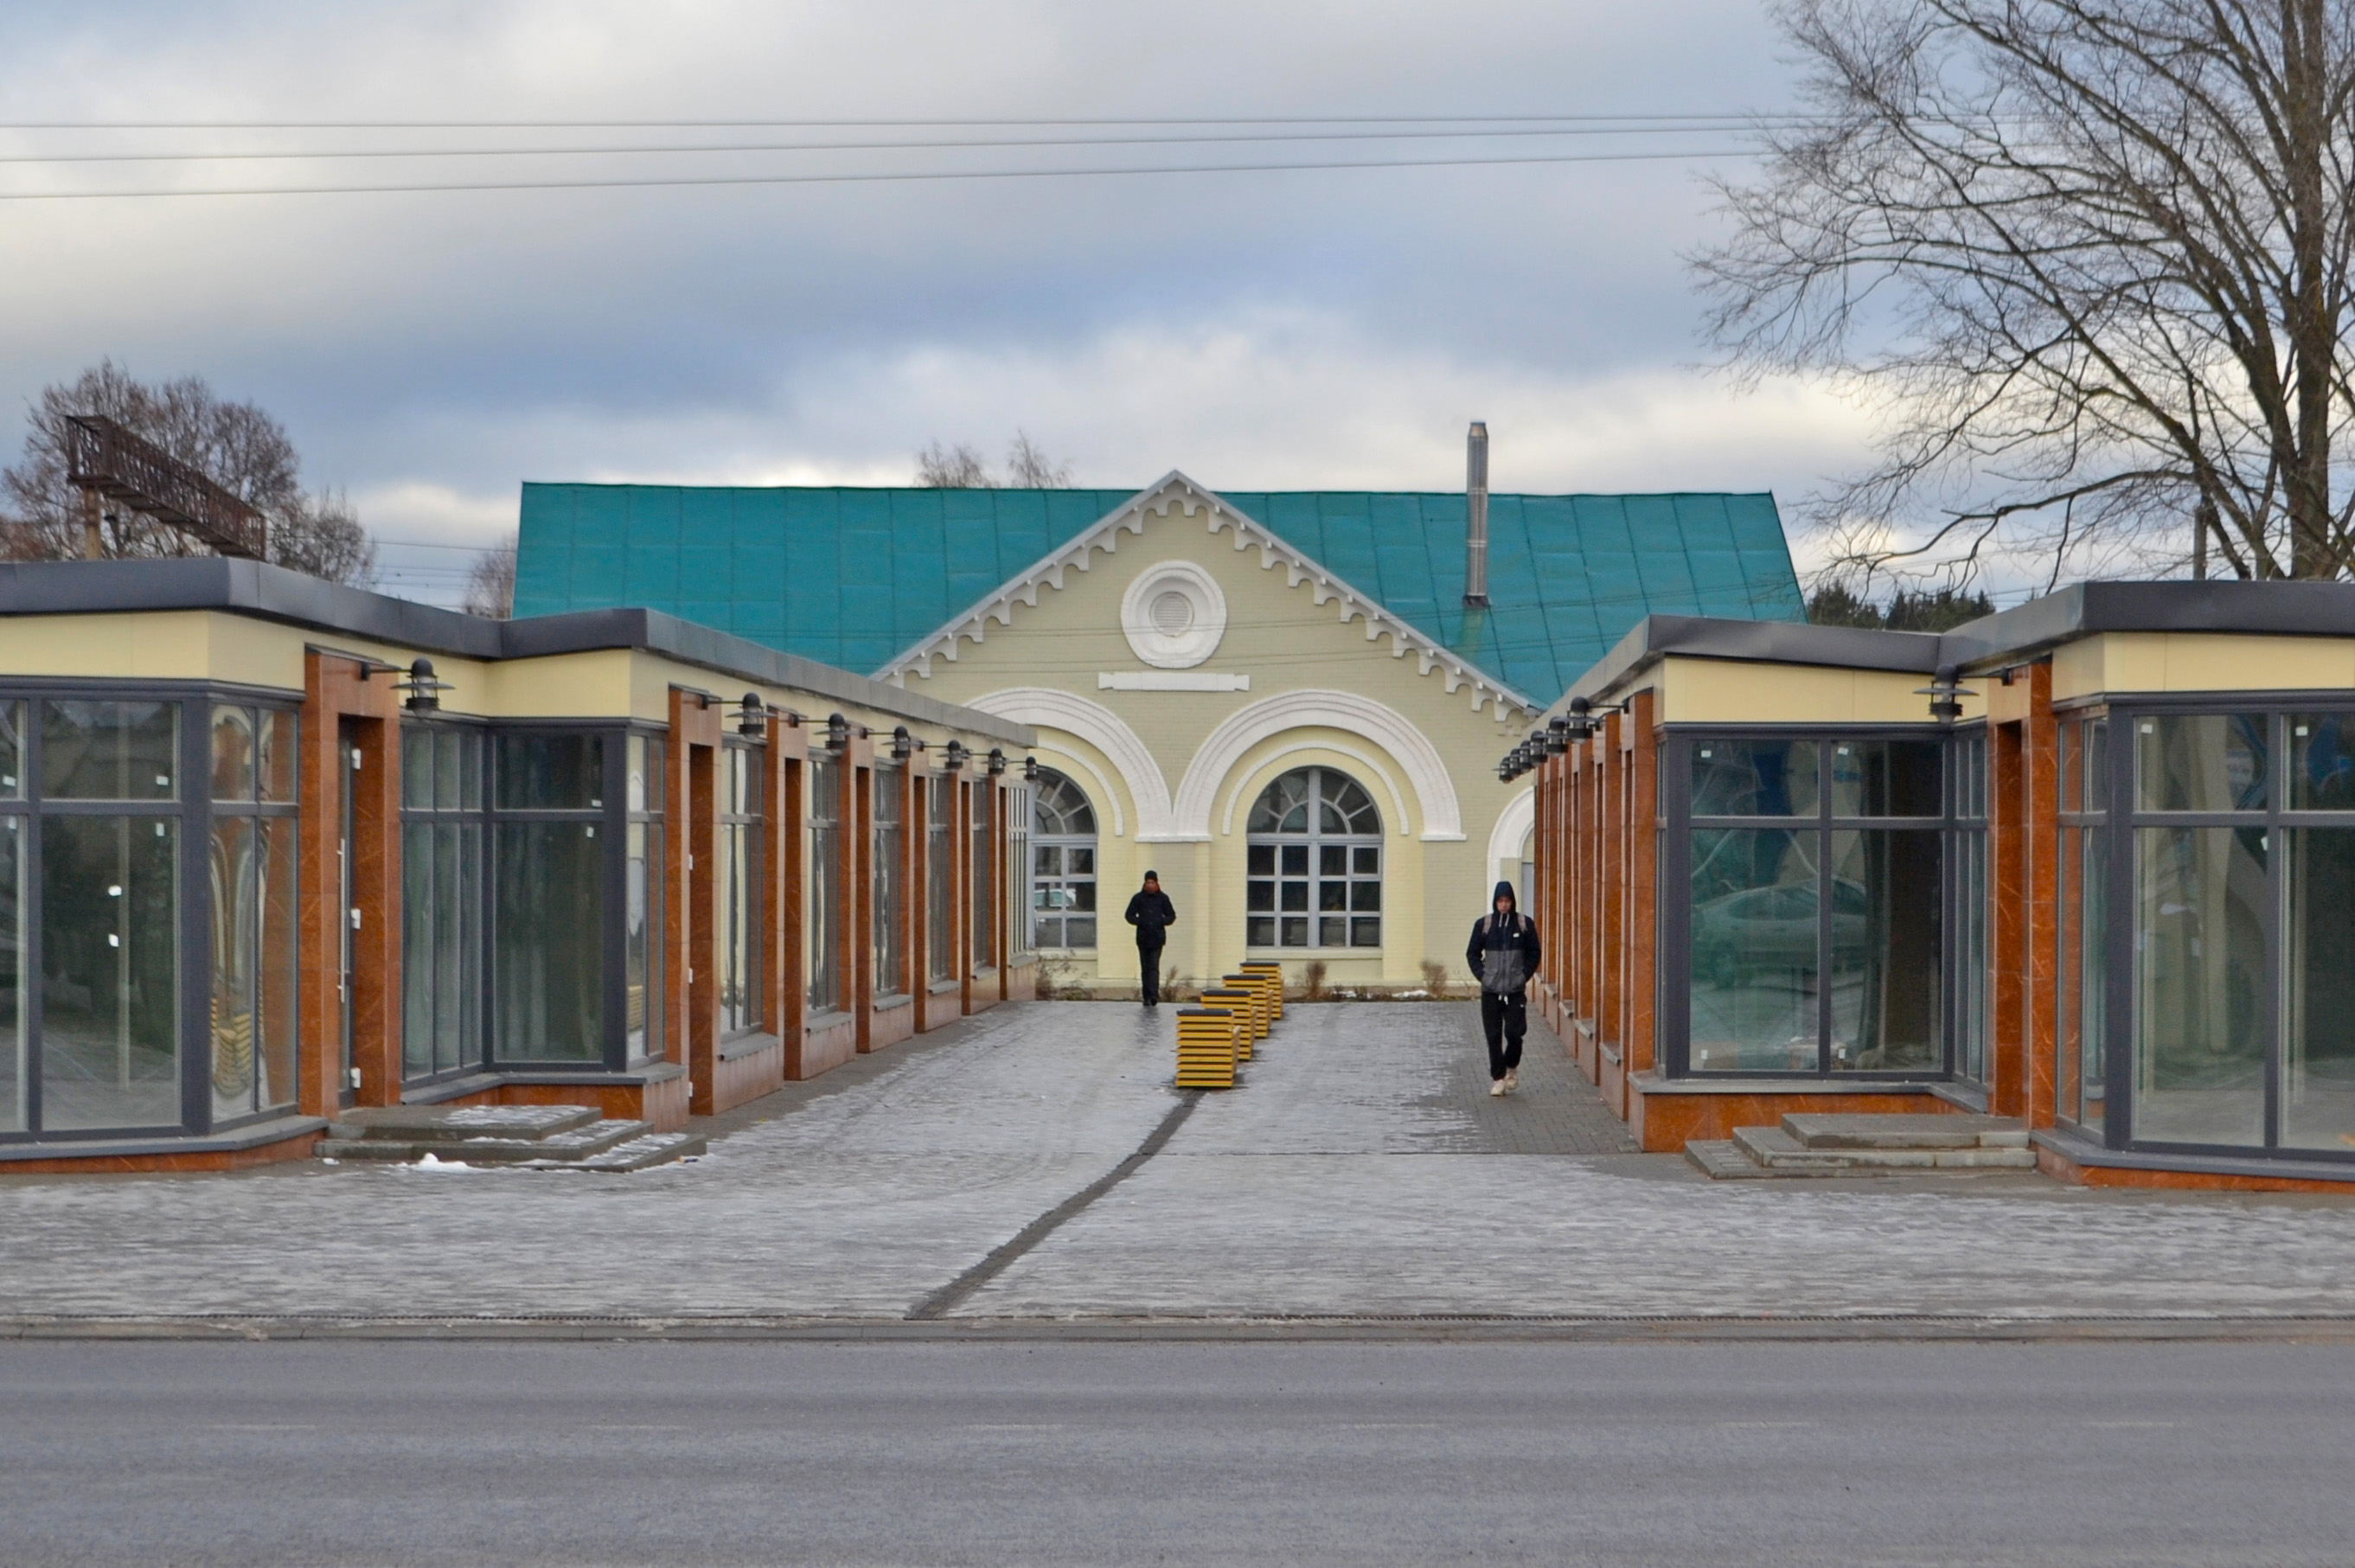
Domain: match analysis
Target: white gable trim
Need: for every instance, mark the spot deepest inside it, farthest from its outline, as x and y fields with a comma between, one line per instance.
x=1190, y=499
x=1048, y=708
x=1425, y=770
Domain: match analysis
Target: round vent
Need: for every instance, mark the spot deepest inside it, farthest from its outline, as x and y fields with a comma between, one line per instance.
x=1173, y=615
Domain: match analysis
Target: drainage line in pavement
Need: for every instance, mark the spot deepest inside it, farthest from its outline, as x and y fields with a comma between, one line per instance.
x=959, y=1290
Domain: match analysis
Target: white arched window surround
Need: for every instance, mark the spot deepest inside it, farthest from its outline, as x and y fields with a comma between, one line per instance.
x=1225, y=746
x=1314, y=864
x=1063, y=870
x=1048, y=709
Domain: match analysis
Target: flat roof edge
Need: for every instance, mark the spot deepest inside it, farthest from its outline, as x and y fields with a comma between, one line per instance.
x=274, y=593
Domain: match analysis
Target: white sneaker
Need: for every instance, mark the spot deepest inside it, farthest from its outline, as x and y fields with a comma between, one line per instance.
x=1496, y=1086
x=1512, y=1080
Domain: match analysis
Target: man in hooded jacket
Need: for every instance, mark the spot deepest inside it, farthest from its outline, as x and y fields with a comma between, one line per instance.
x=1503, y=957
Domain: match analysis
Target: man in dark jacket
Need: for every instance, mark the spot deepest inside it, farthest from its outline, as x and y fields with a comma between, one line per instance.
x=1153, y=914
x=1503, y=957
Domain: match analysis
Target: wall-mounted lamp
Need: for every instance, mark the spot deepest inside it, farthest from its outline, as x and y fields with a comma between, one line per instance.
x=996, y=761
x=424, y=691
x=1946, y=694
x=955, y=758
x=837, y=733
x=755, y=720
x=903, y=745
x=1031, y=768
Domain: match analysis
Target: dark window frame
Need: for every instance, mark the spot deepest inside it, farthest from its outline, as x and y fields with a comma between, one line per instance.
x=2122, y=1021
x=1673, y=889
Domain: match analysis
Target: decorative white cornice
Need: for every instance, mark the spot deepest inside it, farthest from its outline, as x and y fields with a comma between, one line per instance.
x=1189, y=499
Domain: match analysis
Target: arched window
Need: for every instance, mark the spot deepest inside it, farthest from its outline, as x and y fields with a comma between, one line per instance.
x=1316, y=863
x=1062, y=864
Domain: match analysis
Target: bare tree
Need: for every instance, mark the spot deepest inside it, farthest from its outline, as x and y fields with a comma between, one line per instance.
x=1028, y=467
x=2090, y=257
x=237, y=445
x=958, y=467
x=491, y=580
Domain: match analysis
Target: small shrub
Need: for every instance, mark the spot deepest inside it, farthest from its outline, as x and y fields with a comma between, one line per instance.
x=1311, y=980
x=1434, y=978
x=1053, y=981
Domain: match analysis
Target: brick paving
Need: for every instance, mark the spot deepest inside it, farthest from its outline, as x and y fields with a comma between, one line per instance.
x=1359, y=1168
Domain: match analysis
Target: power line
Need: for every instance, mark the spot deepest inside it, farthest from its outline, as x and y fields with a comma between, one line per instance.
x=865, y=124
x=876, y=178
x=323, y=154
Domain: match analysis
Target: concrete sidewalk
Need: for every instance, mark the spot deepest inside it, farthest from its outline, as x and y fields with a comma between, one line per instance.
x=1359, y=1171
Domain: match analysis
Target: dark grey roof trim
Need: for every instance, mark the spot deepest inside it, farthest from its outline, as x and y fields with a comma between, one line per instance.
x=1656, y=637
x=273, y=594
x=1981, y=647
x=2090, y=609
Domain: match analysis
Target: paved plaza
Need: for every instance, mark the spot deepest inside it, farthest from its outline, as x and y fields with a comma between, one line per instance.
x=1359, y=1171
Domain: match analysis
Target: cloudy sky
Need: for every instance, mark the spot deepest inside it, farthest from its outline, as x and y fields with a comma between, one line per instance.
x=431, y=349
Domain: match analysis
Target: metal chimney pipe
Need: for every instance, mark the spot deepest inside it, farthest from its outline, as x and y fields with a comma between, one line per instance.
x=1475, y=515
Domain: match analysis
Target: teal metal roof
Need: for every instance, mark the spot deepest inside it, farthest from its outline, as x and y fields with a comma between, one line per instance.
x=856, y=577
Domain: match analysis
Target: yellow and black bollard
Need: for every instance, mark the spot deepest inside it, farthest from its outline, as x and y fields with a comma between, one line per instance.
x=1238, y=1001
x=1273, y=972
x=1206, y=1048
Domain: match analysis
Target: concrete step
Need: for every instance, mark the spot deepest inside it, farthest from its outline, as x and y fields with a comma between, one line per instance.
x=637, y=1153
x=1760, y=1152
x=1816, y=1130
x=571, y=1147
x=452, y=1124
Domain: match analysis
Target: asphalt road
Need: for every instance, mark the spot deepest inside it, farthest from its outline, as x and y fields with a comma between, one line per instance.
x=1068, y=1453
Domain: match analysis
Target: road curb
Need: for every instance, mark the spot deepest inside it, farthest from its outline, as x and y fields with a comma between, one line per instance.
x=1450, y=1327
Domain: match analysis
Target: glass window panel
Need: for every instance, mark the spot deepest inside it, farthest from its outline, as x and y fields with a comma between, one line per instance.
x=417, y=949
x=1366, y=897
x=1295, y=932
x=2317, y=1100
x=1886, y=954
x=276, y=756
x=1754, y=778
x=1260, y=932
x=1296, y=859
x=12, y=969
x=2322, y=761
x=1754, y=950
x=1365, y=933
x=1082, y=861
x=12, y=750
x=1047, y=860
x=1887, y=778
x=470, y=770
x=1258, y=898
x=108, y=751
x=825, y=884
x=551, y=773
x=1080, y=933
x=236, y=930
x=549, y=974
x=2070, y=747
x=2200, y=762
x=641, y=983
x=2097, y=765
x=1295, y=896
x=1332, y=860
x=1971, y=962
x=279, y=957
x=1261, y=860
x=417, y=769
x=110, y=973
x=445, y=769
x=2200, y=985
x=1332, y=932
x=448, y=929
x=1332, y=895
x=1367, y=861
x=233, y=748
